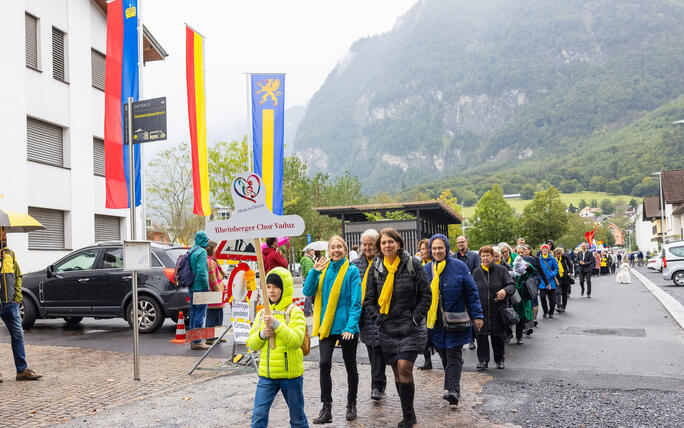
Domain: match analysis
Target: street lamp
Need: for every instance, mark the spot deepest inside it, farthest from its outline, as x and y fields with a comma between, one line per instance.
x=662, y=208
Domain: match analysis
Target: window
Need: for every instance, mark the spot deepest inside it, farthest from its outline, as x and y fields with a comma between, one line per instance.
x=58, y=68
x=44, y=142
x=97, y=66
x=31, y=41
x=83, y=260
x=98, y=157
x=52, y=238
x=107, y=228
x=112, y=258
x=677, y=251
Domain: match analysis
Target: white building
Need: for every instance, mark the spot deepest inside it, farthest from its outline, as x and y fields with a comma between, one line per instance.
x=52, y=121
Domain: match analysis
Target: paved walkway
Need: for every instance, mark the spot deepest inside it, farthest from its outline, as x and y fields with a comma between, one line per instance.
x=80, y=382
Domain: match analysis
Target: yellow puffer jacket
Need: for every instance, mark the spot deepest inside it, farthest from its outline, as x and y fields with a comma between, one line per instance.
x=286, y=361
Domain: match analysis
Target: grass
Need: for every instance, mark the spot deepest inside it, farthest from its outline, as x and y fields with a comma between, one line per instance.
x=567, y=198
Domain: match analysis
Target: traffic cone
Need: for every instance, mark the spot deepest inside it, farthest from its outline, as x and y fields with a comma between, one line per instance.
x=180, y=330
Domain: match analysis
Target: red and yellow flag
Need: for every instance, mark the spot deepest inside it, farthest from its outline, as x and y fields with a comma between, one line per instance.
x=194, y=74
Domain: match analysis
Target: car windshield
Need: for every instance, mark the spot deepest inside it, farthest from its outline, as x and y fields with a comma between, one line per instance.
x=174, y=253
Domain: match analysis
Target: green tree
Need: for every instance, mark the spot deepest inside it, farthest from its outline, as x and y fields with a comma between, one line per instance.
x=607, y=206
x=493, y=220
x=569, y=186
x=633, y=203
x=594, y=203
x=613, y=187
x=572, y=209
x=170, y=193
x=454, y=229
x=574, y=233
x=544, y=218
x=527, y=191
x=597, y=184
x=582, y=204
x=225, y=161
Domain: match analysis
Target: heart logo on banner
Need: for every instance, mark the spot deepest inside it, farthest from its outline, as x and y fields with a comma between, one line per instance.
x=247, y=188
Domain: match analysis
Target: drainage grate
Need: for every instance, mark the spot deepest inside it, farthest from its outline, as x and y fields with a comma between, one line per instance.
x=625, y=332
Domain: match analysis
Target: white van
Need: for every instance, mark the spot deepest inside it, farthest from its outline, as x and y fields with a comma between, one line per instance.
x=673, y=262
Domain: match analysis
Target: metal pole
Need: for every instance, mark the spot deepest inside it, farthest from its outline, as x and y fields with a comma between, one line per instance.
x=131, y=204
x=662, y=208
x=249, y=124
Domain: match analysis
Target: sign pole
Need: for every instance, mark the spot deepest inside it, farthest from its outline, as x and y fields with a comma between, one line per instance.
x=262, y=284
x=134, y=273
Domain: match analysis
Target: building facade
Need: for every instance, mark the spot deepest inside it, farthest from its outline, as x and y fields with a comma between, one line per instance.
x=52, y=117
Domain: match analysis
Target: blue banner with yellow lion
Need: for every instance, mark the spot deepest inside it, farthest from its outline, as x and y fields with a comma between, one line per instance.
x=268, y=124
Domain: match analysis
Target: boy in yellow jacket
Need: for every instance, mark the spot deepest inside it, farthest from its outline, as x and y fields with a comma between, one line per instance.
x=282, y=368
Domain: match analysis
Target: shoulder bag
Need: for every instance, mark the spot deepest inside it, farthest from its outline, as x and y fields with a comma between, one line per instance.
x=508, y=315
x=532, y=287
x=454, y=322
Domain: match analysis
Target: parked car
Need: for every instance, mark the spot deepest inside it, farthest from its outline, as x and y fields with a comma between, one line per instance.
x=91, y=282
x=673, y=262
x=655, y=262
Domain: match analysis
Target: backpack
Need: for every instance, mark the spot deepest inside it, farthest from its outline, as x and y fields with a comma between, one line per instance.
x=306, y=343
x=183, y=274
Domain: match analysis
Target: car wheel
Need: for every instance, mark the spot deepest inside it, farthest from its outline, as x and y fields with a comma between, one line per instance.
x=28, y=312
x=150, y=315
x=73, y=320
x=678, y=278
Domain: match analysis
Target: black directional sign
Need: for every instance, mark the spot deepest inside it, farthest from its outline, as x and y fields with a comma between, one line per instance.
x=149, y=120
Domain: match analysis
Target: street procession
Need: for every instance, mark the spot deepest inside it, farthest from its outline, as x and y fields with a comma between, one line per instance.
x=454, y=214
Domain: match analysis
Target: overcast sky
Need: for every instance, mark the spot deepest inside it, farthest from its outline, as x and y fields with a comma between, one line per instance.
x=303, y=38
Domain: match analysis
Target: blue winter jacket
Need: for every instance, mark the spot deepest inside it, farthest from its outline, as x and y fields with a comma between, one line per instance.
x=460, y=293
x=198, y=262
x=550, y=267
x=348, y=309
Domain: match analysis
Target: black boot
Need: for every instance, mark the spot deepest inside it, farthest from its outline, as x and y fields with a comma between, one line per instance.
x=428, y=361
x=325, y=417
x=351, y=410
x=406, y=395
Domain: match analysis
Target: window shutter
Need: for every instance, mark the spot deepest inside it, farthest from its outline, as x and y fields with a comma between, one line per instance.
x=107, y=228
x=44, y=142
x=53, y=236
x=97, y=65
x=58, y=54
x=31, y=41
x=98, y=156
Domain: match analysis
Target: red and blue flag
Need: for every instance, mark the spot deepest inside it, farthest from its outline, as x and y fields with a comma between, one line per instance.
x=121, y=81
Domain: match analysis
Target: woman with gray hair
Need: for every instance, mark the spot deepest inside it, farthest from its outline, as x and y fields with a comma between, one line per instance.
x=507, y=253
x=367, y=326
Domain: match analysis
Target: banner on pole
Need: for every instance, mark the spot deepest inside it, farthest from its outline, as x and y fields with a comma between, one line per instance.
x=268, y=127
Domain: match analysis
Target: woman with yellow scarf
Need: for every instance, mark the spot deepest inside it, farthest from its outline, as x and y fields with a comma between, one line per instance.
x=336, y=285
x=453, y=290
x=398, y=297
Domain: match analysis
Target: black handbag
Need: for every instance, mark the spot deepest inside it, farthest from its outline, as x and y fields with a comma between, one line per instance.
x=532, y=287
x=515, y=298
x=509, y=316
x=454, y=322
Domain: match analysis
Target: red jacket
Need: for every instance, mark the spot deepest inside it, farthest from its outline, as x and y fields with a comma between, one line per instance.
x=273, y=259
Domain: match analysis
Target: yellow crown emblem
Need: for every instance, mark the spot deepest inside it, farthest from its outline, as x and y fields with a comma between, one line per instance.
x=130, y=12
x=270, y=90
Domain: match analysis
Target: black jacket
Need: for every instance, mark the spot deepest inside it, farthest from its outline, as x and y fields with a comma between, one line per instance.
x=367, y=328
x=488, y=284
x=589, y=261
x=567, y=269
x=403, y=328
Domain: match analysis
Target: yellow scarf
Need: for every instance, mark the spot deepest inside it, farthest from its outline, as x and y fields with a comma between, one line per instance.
x=560, y=267
x=437, y=269
x=484, y=268
x=388, y=286
x=365, y=277
x=323, y=331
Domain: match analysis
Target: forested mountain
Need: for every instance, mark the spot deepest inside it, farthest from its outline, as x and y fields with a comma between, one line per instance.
x=522, y=90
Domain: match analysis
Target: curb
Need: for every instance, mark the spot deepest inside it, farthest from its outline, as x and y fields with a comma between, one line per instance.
x=675, y=308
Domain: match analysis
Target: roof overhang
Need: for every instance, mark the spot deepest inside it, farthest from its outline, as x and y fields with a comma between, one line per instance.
x=152, y=50
x=434, y=209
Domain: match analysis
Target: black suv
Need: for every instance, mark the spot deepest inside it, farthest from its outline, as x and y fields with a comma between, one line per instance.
x=91, y=282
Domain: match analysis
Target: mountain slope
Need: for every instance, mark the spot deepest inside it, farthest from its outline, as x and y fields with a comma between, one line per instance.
x=460, y=85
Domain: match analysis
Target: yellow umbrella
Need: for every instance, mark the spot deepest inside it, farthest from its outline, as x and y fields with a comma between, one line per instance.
x=12, y=222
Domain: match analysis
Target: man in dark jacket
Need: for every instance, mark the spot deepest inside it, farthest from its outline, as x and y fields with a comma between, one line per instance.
x=464, y=254
x=10, y=299
x=272, y=258
x=585, y=263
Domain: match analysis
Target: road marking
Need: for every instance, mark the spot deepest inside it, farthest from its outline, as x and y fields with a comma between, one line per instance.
x=675, y=308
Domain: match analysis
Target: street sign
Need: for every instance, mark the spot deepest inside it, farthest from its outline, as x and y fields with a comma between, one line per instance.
x=149, y=120
x=308, y=238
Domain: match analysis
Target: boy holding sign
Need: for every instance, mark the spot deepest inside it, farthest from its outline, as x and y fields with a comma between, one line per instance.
x=282, y=367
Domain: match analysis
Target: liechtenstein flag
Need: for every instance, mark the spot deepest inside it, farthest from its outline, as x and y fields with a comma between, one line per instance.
x=121, y=82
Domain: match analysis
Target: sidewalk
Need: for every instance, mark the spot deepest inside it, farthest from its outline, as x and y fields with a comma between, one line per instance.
x=227, y=401
x=78, y=382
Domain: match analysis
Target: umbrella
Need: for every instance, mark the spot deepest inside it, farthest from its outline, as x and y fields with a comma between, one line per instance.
x=281, y=241
x=12, y=222
x=317, y=246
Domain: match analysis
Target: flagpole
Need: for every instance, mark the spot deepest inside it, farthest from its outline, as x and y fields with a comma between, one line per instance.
x=249, y=125
x=141, y=63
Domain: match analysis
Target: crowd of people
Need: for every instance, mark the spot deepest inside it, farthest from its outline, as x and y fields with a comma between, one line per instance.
x=400, y=306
